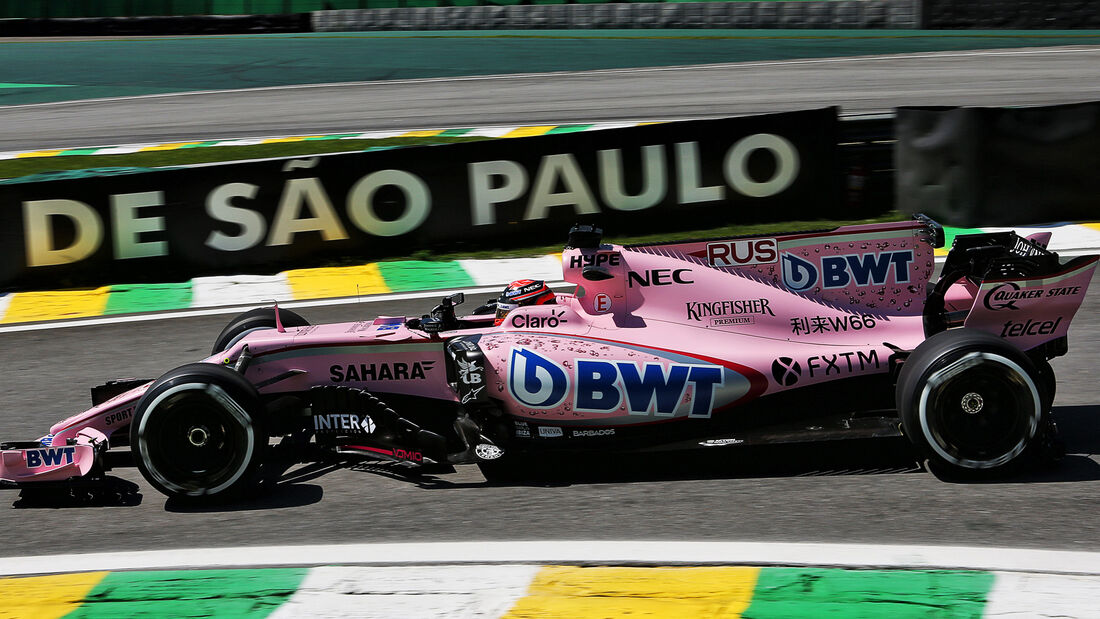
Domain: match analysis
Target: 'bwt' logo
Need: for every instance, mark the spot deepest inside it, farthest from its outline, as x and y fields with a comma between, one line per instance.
x=609, y=386
x=49, y=457
x=798, y=274
x=535, y=381
x=870, y=269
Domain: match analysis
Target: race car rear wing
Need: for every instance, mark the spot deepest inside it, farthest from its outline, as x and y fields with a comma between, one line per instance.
x=1011, y=286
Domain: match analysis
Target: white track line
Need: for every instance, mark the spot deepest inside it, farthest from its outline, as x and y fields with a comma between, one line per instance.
x=594, y=72
x=573, y=552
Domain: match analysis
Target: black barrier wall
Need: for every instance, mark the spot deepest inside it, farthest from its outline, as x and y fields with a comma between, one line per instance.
x=1018, y=14
x=740, y=14
x=175, y=224
x=155, y=25
x=999, y=166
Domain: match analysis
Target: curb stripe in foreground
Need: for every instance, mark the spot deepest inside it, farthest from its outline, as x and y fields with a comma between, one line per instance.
x=598, y=592
x=193, y=593
x=526, y=579
x=46, y=597
x=531, y=591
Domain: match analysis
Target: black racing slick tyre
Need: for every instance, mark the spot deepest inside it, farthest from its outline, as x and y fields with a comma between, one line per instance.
x=198, y=433
x=971, y=402
x=254, y=320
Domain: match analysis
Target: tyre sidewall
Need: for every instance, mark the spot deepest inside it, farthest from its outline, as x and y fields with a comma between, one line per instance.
x=200, y=376
x=942, y=351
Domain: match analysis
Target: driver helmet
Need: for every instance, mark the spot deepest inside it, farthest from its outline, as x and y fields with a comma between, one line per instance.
x=522, y=292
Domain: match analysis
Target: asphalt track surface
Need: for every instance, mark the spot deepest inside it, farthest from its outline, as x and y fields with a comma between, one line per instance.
x=849, y=492
x=1028, y=76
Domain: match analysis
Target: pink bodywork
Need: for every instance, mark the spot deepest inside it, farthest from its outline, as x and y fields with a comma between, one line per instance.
x=57, y=462
x=686, y=330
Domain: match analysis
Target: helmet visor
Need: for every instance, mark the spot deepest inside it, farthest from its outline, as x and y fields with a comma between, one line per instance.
x=502, y=311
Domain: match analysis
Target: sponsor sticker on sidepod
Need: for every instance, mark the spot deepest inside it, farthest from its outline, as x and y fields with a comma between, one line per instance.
x=599, y=388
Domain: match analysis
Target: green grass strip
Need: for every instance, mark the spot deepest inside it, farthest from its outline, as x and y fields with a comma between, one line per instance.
x=569, y=129
x=859, y=594
x=202, y=144
x=132, y=298
x=190, y=593
x=423, y=275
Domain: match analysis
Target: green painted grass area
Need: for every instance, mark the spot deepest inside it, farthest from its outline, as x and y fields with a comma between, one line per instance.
x=949, y=234
x=134, y=298
x=414, y=274
x=854, y=594
x=190, y=593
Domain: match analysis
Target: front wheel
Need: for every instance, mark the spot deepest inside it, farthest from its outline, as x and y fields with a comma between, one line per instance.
x=971, y=402
x=198, y=433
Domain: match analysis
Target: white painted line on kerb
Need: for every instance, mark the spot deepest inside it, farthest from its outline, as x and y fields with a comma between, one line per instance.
x=574, y=553
x=593, y=72
x=1042, y=595
x=421, y=591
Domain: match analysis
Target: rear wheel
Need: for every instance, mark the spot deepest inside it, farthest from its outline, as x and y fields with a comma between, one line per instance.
x=254, y=320
x=198, y=435
x=973, y=403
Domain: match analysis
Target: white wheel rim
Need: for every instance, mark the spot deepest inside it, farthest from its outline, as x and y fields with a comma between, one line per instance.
x=230, y=405
x=954, y=368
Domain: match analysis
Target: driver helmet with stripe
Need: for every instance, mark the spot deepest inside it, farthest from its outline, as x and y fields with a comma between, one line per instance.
x=520, y=293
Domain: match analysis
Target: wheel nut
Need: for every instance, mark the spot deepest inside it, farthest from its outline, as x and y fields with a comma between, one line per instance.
x=197, y=436
x=972, y=403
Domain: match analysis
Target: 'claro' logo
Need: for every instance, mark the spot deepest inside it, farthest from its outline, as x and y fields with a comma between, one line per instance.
x=599, y=386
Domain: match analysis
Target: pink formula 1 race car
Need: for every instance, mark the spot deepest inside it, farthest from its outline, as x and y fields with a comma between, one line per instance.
x=687, y=345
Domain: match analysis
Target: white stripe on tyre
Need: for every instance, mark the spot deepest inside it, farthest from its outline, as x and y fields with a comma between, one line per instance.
x=951, y=370
x=232, y=407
